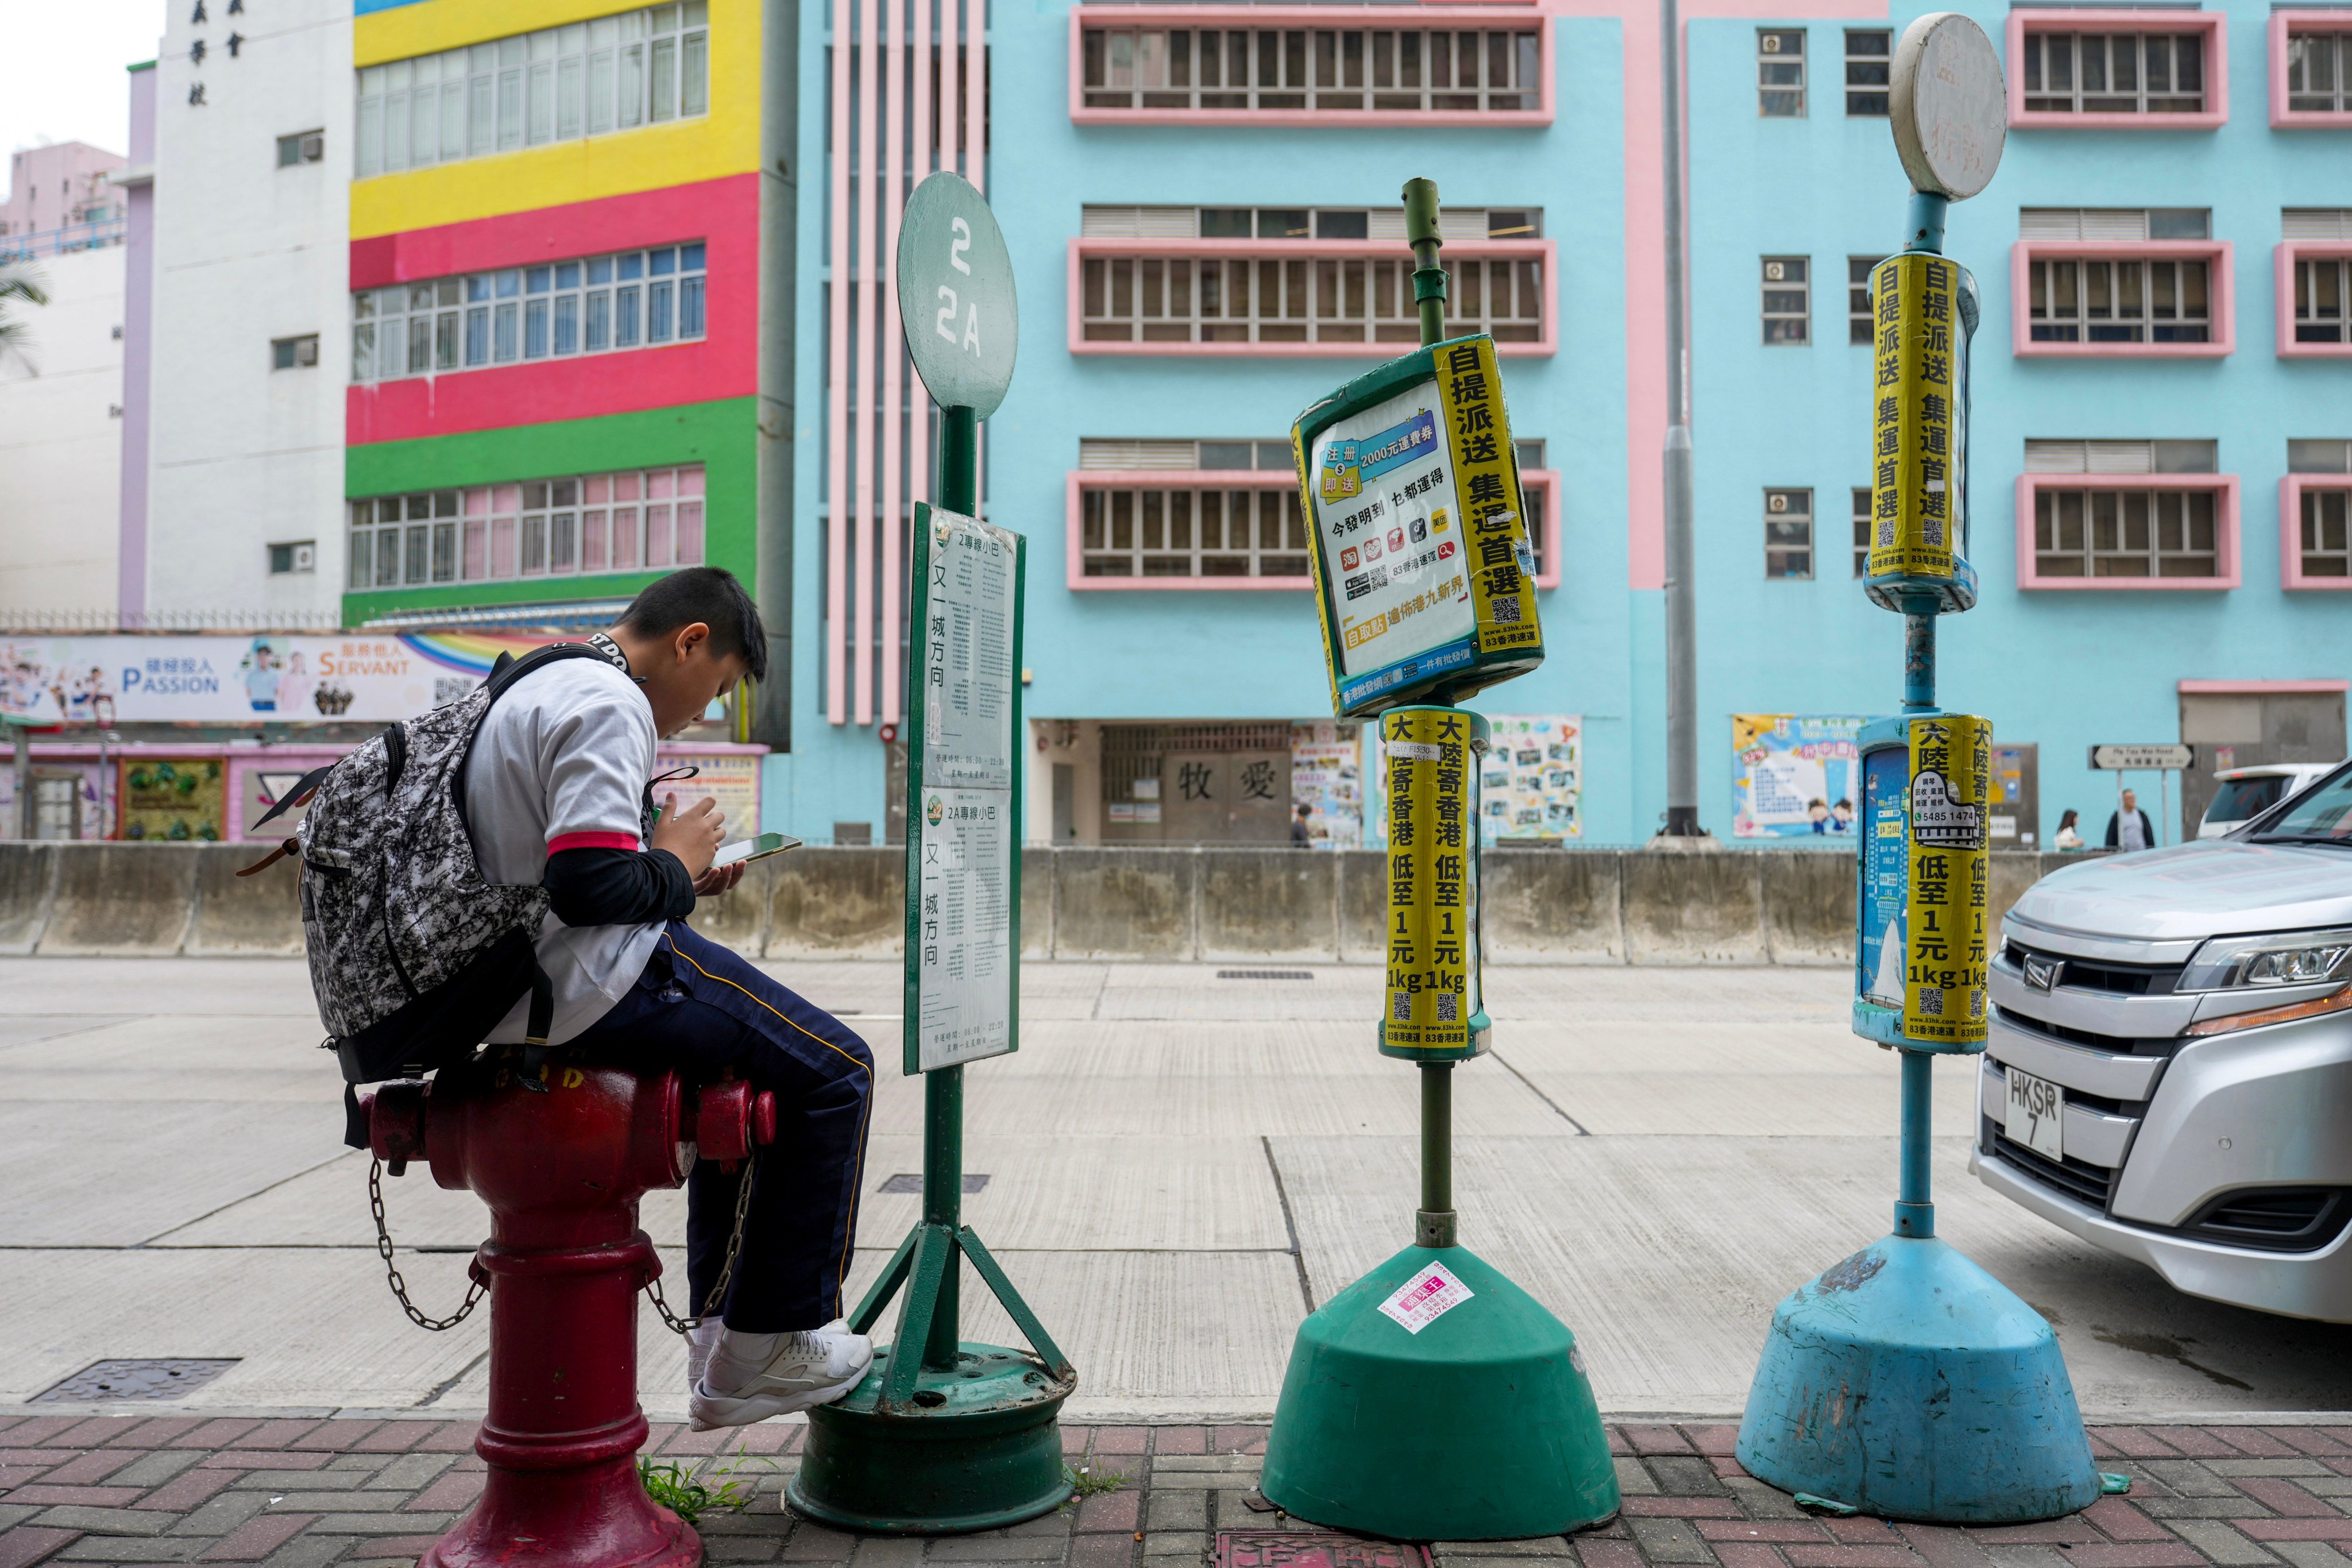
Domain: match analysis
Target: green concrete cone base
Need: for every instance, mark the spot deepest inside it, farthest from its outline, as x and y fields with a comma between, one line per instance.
x=978, y=1450
x=1482, y=1426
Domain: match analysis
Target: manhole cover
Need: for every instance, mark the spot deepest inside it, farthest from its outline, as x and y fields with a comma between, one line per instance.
x=1265, y=974
x=1313, y=1549
x=906, y=1182
x=111, y=1380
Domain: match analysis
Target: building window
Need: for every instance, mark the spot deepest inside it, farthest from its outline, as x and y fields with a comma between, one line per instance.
x=1780, y=72
x=1221, y=509
x=302, y=555
x=2319, y=72
x=2324, y=511
x=1861, y=326
x=615, y=73
x=1869, y=61
x=2322, y=285
x=1787, y=299
x=647, y=520
x=2120, y=302
x=2115, y=73
x=294, y=353
x=601, y=304
x=1788, y=534
x=2116, y=524
x=1322, y=69
x=302, y=147
x=1862, y=516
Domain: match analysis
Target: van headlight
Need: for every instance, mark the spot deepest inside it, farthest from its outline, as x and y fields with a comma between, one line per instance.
x=2289, y=958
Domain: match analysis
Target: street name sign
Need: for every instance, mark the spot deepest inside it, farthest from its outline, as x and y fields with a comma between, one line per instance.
x=1950, y=111
x=2162, y=757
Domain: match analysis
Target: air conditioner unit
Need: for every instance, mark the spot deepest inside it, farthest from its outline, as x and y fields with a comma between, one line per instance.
x=306, y=558
x=314, y=146
x=306, y=350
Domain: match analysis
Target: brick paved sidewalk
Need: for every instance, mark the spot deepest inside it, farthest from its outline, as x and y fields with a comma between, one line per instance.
x=307, y=1493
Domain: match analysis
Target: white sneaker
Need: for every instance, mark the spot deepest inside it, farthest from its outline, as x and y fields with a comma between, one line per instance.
x=700, y=1341
x=750, y=1377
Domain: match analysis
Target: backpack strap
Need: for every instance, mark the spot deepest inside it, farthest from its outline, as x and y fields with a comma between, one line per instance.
x=293, y=797
x=537, y=1022
x=503, y=675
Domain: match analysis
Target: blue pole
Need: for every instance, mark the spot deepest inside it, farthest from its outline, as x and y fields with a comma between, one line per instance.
x=1915, y=1214
x=1926, y=222
x=1919, y=657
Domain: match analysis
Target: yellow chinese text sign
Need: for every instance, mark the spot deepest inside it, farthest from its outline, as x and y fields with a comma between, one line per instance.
x=1432, y=990
x=1487, y=478
x=1915, y=417
x=1947, y=914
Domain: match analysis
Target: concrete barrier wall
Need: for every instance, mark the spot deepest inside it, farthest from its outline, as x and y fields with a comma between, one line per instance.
x=1239, y=905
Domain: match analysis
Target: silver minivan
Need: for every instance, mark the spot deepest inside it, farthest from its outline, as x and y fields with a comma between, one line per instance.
x=2169, y=1071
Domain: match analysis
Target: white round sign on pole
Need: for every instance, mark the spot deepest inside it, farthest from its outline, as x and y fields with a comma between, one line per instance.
x=1951, y=110
x=955, y=295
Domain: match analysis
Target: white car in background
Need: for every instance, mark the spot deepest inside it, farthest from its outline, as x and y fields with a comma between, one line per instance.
x=2169, y=1068
x=2241, y=794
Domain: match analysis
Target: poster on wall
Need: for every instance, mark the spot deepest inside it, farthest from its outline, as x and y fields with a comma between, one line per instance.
x=732, y=779
x=1795, y=775
x=1531, y=785
x=178, y=800
x=362, y=677
x=1327, y=778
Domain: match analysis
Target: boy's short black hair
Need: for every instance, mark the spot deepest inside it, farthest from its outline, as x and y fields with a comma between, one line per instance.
x=710, y=594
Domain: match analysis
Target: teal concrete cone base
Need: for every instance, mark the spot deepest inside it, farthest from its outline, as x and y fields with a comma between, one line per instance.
x=978, y=1450
x=1910, y=1384
x=1482, y=1426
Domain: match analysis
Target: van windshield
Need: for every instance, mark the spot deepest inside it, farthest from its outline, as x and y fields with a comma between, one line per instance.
x=2239, y=799
x=2322, y=814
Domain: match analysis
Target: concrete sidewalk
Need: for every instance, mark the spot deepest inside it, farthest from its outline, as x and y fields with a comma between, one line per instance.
x=1179, y=1167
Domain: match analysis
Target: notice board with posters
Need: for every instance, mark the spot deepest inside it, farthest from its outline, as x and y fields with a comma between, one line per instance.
x=1424, y=572
x=176, y=800
x=1796, y=775
x=964, y=793
x=1531, y=782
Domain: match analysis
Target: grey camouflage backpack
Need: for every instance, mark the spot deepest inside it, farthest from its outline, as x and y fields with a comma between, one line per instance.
x=415, y=955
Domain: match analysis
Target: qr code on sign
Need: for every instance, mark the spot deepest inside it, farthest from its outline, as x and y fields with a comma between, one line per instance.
x=1507, y=611
x=1931, y=1002
x=1401, y=1008
x=1449, y=1007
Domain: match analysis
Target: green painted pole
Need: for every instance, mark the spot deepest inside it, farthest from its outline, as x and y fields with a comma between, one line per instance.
x=1436, y=1226
x=958, y=491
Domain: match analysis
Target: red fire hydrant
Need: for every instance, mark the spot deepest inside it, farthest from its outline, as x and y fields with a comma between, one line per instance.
x=561, y=1172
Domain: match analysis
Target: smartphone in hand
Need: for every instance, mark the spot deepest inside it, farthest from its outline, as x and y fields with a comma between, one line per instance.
x=759, y=849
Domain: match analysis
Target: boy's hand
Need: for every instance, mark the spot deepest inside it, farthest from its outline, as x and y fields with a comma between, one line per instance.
x=718, y=879
x=692, y=834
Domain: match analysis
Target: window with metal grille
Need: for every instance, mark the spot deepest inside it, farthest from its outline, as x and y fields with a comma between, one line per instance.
x=2115, y=73
x=2325, y=510
x=2120, y=301
x=1787, y=299
x=2093, y=532
x=636, y=299
x=1788, y=534
x=637, y=520
x=1261, y=299
x=1327, y=70
x=1862, y=530
x=2319, y=71
x=1780, y=72
x=559, y=84
x=2323, y=285
x=1860, y=327
x=1869, y=60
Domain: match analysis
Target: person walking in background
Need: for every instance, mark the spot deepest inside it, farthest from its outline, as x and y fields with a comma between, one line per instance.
x=1302, y=835
x=2069, y=836
x=2129, y=829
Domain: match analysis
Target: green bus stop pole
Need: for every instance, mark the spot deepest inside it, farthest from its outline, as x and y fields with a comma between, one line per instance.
x=958, y=491
x=1437, y=1226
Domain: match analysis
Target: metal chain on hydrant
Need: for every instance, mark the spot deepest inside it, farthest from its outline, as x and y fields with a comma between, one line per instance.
x=474, y=1288
x=678, y=1325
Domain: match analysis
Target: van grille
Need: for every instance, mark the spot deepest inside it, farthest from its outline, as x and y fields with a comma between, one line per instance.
x=2120, y=979
x=2076, y=1179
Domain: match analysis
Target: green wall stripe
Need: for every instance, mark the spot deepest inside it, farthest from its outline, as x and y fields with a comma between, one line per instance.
x=722, y=435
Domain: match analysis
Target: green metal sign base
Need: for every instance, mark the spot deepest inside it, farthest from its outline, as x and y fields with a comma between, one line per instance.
x=980, y=1450
x=1481, y=1427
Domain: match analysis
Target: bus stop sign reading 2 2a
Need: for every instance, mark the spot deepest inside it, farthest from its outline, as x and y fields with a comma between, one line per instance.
x=955, y=295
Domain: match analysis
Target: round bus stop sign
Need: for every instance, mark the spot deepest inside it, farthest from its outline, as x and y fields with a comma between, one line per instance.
x=1951, y=110
x=955, y=295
